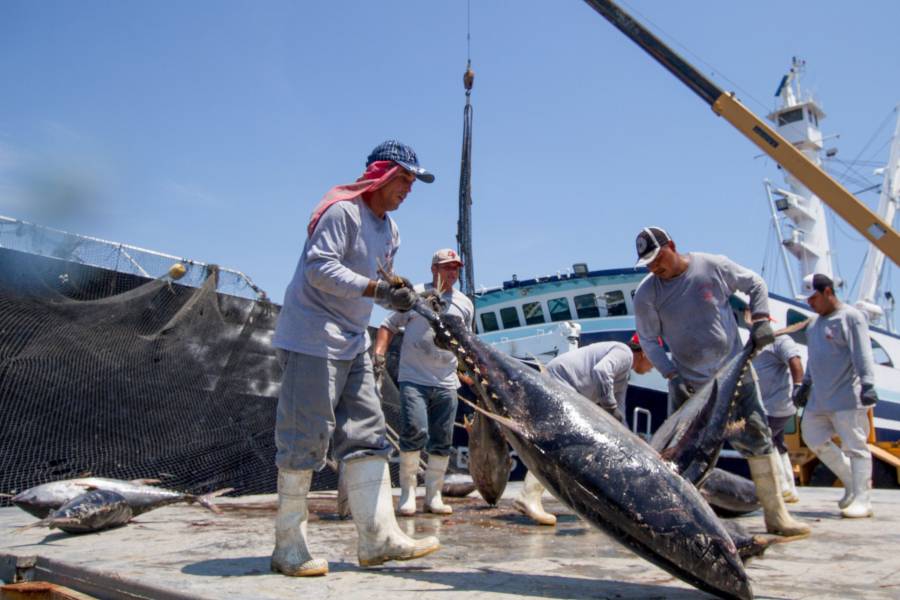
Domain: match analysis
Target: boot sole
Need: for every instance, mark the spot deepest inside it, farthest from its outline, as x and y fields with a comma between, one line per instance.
x=374, y=562
x=439, y=512
x=302, y=573
x=544, y=522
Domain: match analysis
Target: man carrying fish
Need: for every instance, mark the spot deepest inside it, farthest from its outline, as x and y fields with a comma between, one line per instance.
x=428, y=384
x=685, y=301
x=837, y=391
x=328, y=387
x=599, y=372
x=779, y=370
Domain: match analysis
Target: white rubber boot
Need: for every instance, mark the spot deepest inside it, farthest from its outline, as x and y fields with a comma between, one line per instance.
x=434, y=481
x=291, y=555
x=409, y=469
x=372, y=506
x=839, y=464
x=766, y=472
x=861, y=507
x=529, y=501
x=789, y=489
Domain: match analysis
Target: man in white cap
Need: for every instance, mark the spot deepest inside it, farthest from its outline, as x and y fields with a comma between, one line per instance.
x=685, y=300
x=428, y=385
x=837, y=391
x=599, y=372
x=328, y=387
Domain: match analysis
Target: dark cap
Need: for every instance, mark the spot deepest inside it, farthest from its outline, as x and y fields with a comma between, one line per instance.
x=817, y=282
x=401, y=154
x=648, y=243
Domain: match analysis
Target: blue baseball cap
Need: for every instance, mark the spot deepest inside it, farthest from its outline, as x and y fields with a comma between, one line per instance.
x=401, y=154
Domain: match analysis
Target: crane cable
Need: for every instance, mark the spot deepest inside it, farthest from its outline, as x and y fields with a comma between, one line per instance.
x=464, y=224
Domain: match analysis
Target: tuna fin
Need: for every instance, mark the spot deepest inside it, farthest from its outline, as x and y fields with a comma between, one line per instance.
x=206, y=500
x=540, y=365
x=41, y=523
x=793, y=328
x=145, y=481
x=504, y=421
x=467, y=423
x=6, y=495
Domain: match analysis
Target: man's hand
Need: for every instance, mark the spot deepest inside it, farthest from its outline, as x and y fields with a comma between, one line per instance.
x=868, y=396
x=800, y=394
x=617, y=415
x=682, y=388
x=398, y=296
x=379, y=365
x=761, y=333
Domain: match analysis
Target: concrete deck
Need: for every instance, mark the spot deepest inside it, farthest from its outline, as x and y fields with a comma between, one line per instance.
x=186, y=552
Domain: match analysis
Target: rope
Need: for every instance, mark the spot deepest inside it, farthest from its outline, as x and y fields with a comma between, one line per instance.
x=464, y=224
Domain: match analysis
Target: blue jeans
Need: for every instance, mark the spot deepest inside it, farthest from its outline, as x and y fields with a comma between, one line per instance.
x=426, y=418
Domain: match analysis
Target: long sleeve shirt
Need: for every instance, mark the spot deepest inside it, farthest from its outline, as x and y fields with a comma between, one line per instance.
x=422, y=362
x=772, y=366
x=325, y=313
x=692, y=314
x=840, y=360
x=599, y=372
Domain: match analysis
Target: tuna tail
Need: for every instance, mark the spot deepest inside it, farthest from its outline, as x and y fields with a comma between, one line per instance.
x=206, y=500
x=49, y=522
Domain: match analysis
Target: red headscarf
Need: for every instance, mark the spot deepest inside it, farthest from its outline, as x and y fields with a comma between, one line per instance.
x=376, y=176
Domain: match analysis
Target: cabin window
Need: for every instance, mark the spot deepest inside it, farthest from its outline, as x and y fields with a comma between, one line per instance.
x=489, y=322
x=559, y=309
x=791, y=116
x=534, y=313
x=586, y=306
x=794, y=317
x=510, y=317
x=615, y=304
x=880, y=355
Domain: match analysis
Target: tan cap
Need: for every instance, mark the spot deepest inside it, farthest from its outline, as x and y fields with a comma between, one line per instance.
x=446, y=255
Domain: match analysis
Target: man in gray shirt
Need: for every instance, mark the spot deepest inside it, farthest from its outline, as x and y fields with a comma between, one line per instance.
x=428, y=384
x=685, y=301
x=779, y=369
x=599, y=372
x=838, y=390
x=328, y=388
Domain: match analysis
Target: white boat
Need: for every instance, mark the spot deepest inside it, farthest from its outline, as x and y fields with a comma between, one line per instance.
x=599, y=302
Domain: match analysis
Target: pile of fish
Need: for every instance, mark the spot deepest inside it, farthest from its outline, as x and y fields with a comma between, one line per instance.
x=91, y=504
x=598, y=468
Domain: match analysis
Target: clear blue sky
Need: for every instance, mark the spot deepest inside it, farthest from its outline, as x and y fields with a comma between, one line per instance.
x=209, y=129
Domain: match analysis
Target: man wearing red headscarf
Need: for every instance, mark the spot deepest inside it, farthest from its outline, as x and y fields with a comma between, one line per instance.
x=328, y=387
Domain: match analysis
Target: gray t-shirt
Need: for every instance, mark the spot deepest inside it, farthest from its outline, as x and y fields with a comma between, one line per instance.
x=599, y=372
x=422, y=362
x=324, y=312
x=840, y=360
x=773, y=372
x=693, y=316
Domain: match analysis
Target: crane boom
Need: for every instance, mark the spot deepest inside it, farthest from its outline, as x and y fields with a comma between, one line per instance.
x=836, y=196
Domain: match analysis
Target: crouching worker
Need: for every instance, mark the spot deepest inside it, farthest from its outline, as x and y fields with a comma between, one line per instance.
x=841, y=378
x=599, y=372
x=328, y=387
x=428, y=384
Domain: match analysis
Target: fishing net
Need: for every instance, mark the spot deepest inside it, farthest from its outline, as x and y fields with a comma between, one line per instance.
x=110, y=367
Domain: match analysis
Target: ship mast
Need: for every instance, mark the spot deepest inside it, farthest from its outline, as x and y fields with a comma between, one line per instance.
x=797, y=120
x=867, y=300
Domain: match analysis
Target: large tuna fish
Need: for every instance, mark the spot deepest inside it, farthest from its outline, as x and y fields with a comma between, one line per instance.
x=41, y=500
x=489, y=460
x=599, y=469
x=729, y=495
x=89, y=512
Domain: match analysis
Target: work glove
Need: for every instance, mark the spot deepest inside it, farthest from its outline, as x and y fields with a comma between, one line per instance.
x=800, y=394
x=397, y=296
x=762, y=334
x=379, y=364
x=682, y=389
x=868, y=396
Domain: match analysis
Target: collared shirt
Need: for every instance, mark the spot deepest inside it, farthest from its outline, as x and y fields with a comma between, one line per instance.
x=422, y=362
x=692, y=314
x=840, y=360
x=324, y=312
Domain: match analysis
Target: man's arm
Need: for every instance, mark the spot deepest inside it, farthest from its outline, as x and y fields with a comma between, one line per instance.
x=382, y=341
x=650, y=328
x=795, y=365
x=739, y=278
x=325, y=252
x=614, y=364
x=860, y=348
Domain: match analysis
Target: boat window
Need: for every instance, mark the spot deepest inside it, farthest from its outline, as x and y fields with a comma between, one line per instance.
x=489, y=322
x=559, y=309
x=586, y=306
x=615, y=304
x=791, y=116
x=794, y=317
x=880, y=355
x=534, y=313
x=510, y=317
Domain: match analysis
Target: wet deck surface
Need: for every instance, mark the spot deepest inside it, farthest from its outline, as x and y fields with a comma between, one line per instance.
x=486, y=552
